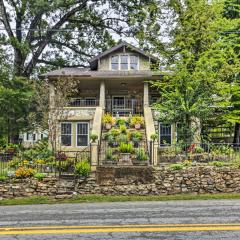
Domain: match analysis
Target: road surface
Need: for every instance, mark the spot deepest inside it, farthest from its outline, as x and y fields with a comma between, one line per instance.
x=188, y=220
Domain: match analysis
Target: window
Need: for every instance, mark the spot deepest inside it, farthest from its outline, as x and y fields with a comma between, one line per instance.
x=82, y=134
x=115, y=62
x=133, y=62
x=165, y=133
x=66, y=134
x=124, y=62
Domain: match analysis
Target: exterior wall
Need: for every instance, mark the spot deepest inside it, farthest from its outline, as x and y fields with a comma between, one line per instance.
x=75, y=115
x=105, y=61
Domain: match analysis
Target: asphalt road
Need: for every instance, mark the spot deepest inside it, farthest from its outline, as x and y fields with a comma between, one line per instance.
x=216, y=219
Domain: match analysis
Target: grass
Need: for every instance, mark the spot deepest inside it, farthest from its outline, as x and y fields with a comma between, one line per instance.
x=100, y=198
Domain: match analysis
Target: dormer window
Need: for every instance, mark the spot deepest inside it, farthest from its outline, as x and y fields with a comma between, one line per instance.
x=124, y=62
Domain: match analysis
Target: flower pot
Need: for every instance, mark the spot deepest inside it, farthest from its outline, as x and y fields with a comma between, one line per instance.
x=108, y=126
x=137, y=126
x=125, y=159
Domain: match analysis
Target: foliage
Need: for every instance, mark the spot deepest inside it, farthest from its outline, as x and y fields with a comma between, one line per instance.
x=82, y=169
x=123, y=129
x=122, y=138
x=115, y=132
x=125, y=148
x=40, y=176
x=154, y=136
x=176, y=166
x=136, y=120
x=109, y=155
x=23, y=172
x=108, y=118
x=199, y=149
x=120, y=122
x=136, y=136
x=141, y=155
x=187, y=163
x=219, y=164
x=94, y=137
x=221, y=149
x=3, y=176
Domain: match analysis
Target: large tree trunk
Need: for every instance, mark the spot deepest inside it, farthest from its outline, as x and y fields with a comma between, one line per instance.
x=236, y=139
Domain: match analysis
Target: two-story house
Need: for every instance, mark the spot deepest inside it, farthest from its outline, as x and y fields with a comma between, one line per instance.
x=117, y=82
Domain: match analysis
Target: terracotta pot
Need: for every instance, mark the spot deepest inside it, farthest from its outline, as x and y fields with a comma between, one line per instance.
x=137, y=126
x=108, y=126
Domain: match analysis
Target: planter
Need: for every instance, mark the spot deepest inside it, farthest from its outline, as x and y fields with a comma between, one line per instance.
x=137, y=126
x=109, y=162
x=140, y=163
x=108, y=126
x=125, y=159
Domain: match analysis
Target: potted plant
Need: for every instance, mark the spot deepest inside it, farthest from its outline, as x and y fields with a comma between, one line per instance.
x=110, y=158
x=108, y=120
x=110, y=140
x=137, y=122
x=154, y=137
x=94, y=137
x=136, y=137
x=141, y=157
x=120, y=122
x=125, y=149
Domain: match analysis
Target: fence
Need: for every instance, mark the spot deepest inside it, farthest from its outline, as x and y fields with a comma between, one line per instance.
x=63, y=165
x=196, y=152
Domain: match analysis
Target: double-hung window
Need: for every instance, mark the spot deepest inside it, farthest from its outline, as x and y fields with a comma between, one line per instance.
x=133, y=62
x=165, y=134
x=66, y=134
x=115, y=62
x=82, y=134
x=124, y=62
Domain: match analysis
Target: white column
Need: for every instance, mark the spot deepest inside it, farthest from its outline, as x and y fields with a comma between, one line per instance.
x=145, y=95
x=102, y=95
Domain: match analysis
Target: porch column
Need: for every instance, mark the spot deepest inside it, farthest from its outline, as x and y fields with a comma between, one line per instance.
x=145, y=95
x=102, y=95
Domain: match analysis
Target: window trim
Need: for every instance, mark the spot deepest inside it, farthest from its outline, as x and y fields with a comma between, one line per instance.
x=66, y=134
x=159, y=134
x=119, y=62
x=88, y=139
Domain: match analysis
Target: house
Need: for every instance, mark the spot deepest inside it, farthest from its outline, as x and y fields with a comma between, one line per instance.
x=117, y=82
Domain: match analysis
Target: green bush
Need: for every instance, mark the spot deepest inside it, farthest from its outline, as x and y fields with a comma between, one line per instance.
x=219, y=163
x=176, y=166
x=141, y=155
x=120, y=122
x=3, y=176
x=126, y=148
x=82, y=169
x=115, y=132
x=40, y=176
x=123, y=129
x=122, y=138
x=136, y=135
x=199, y=150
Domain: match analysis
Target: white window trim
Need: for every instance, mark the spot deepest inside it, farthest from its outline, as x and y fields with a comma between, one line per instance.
x=77, y=133
x=159, y=134
x=119, y=62
x=66, y=134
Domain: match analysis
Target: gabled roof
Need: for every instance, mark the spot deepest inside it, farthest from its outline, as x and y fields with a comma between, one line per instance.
x=94, y=61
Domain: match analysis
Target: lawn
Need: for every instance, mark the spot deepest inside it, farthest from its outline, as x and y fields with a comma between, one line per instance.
x=100, y=198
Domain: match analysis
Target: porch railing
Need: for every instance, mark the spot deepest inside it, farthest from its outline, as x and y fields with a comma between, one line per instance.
x=124, y=107
x=83, y=102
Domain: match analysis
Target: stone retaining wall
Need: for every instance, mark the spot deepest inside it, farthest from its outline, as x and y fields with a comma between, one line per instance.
x=199, y=179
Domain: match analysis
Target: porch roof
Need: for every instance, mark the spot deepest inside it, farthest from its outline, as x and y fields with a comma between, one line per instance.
x=86, y=73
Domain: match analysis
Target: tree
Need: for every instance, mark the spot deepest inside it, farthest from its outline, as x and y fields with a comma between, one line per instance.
x=200, y=60
x=66, y=32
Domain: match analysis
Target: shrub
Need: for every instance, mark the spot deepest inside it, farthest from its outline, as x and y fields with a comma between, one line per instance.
x=187, y=163
x=110, y=139
x=115, y=132
x=40, y=176
x=120, y=122
x=199, y=150
x=123, y=129
x=82, y=169
x=136, y=120
x=3, y=177
x=23, y=172
x=136, y=135
x=176, y=166
x=126, y=148
x=94, y=137
x=109, y=155
x=141, y=155
x=219, y=163
x=122, y=138
x=39, y=161
x=108, y=118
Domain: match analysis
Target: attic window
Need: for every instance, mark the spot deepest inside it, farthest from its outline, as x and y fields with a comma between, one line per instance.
x=124, y=62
